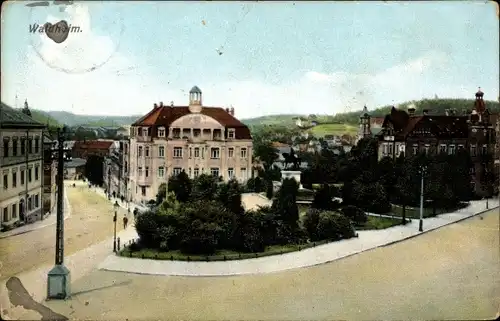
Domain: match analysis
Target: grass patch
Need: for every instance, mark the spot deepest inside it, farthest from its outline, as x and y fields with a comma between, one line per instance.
x=333, y=129
x=221, y=255
x=412, y=212
x=378, y=223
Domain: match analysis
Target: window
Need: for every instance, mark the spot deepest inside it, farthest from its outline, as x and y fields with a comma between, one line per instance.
x=14, y=179
x=484, y=150
x=30, y=145
x=451, y=150
x=177, y=170
x=460, y=147
x=14, y=147
x=5, y=181
x=190, y=152
x=196, y=172
x=473, y=150
x=37, y=169
x=145, y=132
x=161, y=151
x=161, y=171
x=442, y=148
x=139, y=151
x=143, y=190
x=14, y=210
x=243, y=153
x=147, y=172
x=37, y=145
x=37, y=201
x=230, y=152
x=391, y=148
x=161, y=132
x=426, y=148
x=147, y=152
x=196, y=152
x=177, y=152
x=230, y=133
x=5, y=148
x=139, y=171
x=230, y=172
x=23, y=146
x=385, y=152
x=214, y=152
x=243, y=172
x=30, y=203
x=5, y=214
x=30, y=175
x=415, y=149
x=214, y=171
x=22, y=177
x=126, y=167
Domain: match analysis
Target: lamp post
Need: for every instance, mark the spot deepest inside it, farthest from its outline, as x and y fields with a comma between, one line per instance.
x=422, y=171
x=115, y=218
x=58, y=279
x=109, y=181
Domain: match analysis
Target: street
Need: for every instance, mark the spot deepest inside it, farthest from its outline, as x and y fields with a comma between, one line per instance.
x=91, y=222
x=449, y=273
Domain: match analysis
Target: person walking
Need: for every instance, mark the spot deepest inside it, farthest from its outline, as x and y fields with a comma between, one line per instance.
x=125, y=222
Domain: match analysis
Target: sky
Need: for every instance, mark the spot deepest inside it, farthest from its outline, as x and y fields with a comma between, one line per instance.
x=261, y=58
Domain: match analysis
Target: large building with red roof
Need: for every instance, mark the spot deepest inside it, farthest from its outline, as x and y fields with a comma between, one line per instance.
x=405, y=132
x=195, y=139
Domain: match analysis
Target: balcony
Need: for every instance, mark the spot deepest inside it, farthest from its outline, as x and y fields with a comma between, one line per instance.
x=145, y=181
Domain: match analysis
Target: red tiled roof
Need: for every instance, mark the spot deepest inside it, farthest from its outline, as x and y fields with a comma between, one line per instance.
x=165, y=115
x=92, y=144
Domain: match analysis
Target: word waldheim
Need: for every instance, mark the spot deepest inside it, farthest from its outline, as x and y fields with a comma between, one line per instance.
x=53, y=28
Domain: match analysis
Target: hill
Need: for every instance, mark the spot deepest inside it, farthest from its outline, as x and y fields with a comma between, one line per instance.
x=45, y=118
x=71, y=119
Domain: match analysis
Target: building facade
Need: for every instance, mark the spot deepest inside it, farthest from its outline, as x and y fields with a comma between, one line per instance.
x=49, y=175
x=21, y=166
x=405, y=133
x=85, y=148
x=195, y=139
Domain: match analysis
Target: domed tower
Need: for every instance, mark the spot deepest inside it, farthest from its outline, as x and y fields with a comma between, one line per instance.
x=364, y=124
x=26, y=110
x=195, y=105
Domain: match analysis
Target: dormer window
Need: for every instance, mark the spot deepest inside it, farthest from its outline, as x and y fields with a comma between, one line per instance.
x=145, y=131
x=230, y=133
x=161, y=132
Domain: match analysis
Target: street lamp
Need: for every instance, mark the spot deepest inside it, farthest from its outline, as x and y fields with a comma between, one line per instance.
x=109, y=182
x=115, y=206
x=58, y=278
x=422, y=171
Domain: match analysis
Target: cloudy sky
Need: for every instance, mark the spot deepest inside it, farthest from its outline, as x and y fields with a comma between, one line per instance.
x=276, y=57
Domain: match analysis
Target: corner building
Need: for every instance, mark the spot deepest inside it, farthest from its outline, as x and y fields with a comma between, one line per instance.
x=194, y=138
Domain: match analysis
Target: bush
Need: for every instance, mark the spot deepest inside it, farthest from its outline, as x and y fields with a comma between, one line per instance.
x=310, y=223
x=334, y=226
x=355, y=214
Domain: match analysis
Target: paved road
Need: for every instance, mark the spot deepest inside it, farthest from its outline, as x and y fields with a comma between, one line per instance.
x=90, y=223
x=450, y=273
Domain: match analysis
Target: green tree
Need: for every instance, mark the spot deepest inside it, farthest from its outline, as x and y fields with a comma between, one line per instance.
x=204, y=187
x=162, y=193
x=180, y=185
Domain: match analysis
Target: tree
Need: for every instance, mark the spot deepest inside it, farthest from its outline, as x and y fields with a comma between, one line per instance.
x=94, y=169
x=323, y=199
x=310, y=223
x=162, y=193
x=269, y=190
x=229, y=194
x=181, y=186
x=285, y=207
x=333, y=226
x=204, y=187
x=355, y=214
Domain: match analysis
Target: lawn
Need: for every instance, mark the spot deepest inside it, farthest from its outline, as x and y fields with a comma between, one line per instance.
x=221, y=255
x=333, y=129
x=378, y=223
x=413, y=212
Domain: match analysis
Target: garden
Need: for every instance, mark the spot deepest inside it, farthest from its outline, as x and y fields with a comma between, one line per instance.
x=204, y=219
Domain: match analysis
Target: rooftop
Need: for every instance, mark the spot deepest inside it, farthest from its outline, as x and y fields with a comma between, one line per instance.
x=12, y=118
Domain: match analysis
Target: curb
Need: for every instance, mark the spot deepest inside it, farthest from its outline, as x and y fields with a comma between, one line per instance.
x=66, y=200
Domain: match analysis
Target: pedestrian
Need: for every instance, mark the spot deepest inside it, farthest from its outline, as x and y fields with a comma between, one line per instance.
x=125, y=222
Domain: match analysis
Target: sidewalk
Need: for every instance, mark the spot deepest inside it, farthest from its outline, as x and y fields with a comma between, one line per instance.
x=49, y=220
x=312, y=256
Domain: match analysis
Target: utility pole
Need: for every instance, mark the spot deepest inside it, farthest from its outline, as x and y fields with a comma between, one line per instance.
x=421, y=221
x=59, y=281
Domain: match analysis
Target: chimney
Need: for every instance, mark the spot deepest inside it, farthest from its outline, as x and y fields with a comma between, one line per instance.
x=161, y=103
x=426, y=112
x=172, y=103
x=231, y=111
x=227, y=110
x=155, y=105
x=411, y=111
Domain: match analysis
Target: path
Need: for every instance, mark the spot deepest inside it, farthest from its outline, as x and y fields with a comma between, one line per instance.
x=447, y=274
x=312, y=256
